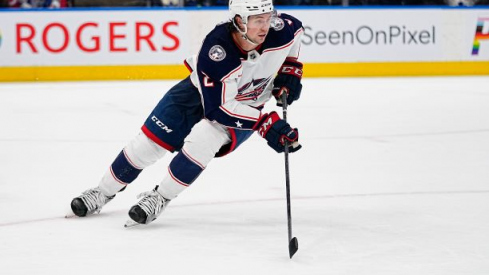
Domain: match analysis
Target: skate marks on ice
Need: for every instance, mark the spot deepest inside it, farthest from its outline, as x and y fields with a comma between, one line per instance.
x=416, y=204
x=410, y=233
x=406, y=135
x=129, y=223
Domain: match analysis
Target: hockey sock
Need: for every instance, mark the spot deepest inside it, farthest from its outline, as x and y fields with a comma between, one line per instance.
x=123, y=170
x=183, y=170
x=140, y=153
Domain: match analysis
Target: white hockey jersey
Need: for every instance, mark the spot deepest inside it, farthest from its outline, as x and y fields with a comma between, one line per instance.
x=235, y=84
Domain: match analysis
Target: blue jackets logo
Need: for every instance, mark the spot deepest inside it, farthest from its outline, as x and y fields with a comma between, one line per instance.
x=217, y=53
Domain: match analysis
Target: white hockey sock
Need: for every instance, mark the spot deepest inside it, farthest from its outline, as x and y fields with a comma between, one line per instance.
x=140, y=153
x=169, y=188
x=109, y=185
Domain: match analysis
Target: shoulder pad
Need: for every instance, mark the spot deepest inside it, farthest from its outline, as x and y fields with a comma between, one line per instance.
x=218, y=55
x=284, y=31
x=293, y=23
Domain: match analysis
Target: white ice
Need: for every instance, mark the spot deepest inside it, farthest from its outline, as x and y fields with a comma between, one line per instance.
x=393, y=178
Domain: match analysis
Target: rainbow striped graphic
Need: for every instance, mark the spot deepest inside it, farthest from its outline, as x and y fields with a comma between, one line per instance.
x=0, y=38
x=479, y=35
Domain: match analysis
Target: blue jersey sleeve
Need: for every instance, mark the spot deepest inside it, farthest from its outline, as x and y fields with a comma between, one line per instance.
x=218, y=61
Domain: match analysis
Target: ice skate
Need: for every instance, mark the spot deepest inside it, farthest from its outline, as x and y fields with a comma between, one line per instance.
x=147, y=209
x=89, y=202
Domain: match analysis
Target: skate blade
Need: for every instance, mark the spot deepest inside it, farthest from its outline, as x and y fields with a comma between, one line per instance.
x=70, y=215
x=131, y=223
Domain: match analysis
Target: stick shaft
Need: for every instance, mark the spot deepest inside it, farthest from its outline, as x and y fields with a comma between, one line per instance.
x=287, y=174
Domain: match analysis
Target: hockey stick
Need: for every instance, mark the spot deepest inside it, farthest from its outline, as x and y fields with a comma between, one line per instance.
x=293, y=243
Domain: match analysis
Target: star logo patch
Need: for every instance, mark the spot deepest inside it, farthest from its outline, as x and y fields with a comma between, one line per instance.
x=239, y=124
x=217, y=53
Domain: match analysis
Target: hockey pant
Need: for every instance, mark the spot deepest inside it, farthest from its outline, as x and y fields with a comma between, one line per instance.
x=200, y=147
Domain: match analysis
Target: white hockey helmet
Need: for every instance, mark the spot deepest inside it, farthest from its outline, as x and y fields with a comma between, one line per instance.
x=246, y=8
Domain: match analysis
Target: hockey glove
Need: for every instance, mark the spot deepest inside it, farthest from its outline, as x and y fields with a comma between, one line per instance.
x=276, y=131
x=288, y=80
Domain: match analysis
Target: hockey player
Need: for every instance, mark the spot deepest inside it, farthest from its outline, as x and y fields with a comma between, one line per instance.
x=241, y=65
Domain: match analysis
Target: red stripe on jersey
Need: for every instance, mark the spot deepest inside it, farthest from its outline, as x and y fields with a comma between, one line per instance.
x=158, y=141
x=236, y=115
x=229, y=74
x=279, y=48
x=223, y=92
x=286, y=45
x=187, y=65
x=298, y=31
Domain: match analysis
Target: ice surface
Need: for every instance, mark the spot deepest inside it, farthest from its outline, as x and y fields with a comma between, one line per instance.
x=393, y=178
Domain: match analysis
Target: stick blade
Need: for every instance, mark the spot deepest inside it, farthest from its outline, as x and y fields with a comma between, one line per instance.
x=293, y=246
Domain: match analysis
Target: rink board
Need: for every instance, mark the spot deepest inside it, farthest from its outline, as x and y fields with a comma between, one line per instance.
x=118, y=44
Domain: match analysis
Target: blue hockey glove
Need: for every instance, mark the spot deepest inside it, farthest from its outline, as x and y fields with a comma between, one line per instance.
x=276, y=131
x=288, y=80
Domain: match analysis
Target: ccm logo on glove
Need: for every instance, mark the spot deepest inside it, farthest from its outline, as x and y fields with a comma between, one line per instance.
x=267, y=123
x=291, y=70
x=288, y=80
x=276, y=131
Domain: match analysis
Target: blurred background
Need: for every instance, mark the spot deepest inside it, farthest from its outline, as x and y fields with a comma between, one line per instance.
x=211, y=3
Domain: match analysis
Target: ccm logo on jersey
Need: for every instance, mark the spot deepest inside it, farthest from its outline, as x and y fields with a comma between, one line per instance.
x=291, y=70
x=161, y=125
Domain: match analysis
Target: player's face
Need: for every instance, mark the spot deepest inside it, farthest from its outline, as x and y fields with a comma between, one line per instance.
x=258, y=26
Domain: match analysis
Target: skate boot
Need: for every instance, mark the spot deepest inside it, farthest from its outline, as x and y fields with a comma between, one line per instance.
x=89, y=202
x=149, y=207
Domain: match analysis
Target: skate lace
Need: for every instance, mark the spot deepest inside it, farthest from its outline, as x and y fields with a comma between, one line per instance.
x=94, y=199
x=152, y=202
